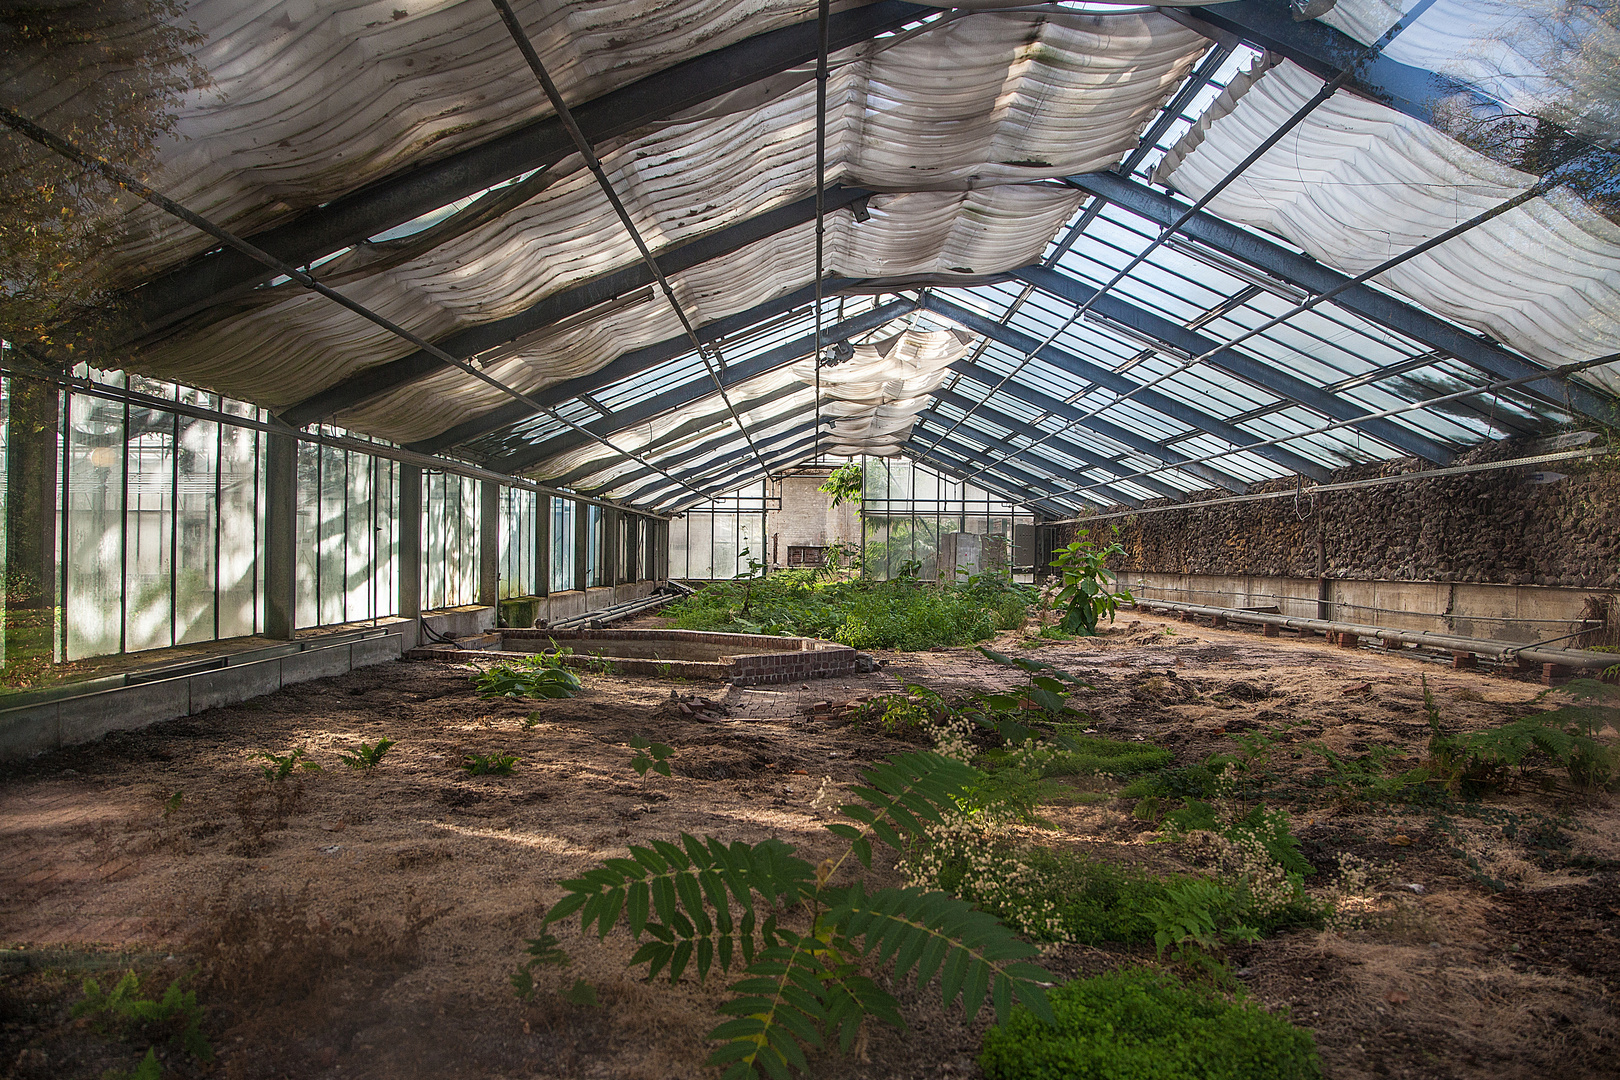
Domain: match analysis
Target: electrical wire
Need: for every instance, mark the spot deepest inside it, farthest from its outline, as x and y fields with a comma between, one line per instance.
x=1416, y=406
x=560, y=107
x=28, y=128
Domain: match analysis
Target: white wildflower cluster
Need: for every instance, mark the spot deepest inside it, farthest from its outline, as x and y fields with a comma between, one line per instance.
x=1243, y=862
x=1032, y=756
x=992, y=875
x=1354, y=899
x=951, y=736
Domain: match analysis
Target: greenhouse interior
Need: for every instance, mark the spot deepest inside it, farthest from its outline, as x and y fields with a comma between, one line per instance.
x=831, y=501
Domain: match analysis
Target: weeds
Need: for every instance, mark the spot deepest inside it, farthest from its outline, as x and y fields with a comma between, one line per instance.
x=702, y=903
x=898, y=614
x=368, y=756
x=542, y=676
x=1138, y=1023
x=490, y=764
x=650, y=755
x=124, y=1012
x=280, y=768
x=1087, y=584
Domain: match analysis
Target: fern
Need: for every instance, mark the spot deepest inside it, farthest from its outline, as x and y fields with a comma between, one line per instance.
x=702, y=903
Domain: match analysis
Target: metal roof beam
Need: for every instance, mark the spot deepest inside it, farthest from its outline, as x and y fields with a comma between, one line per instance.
x=1015, y=491
x=959, y=470
x=1323, y=51
x=624, y=366
x=965, y=452
x=1107, y=429
x=697, y=389
x=694, y=426
x=709, y=447
x=1239, y=365
x=1074, y=450
x=1306, y=273
x=1044, y=470
x=393, y=200
x=746, y=473
x=393, y=375
x=1120, y=384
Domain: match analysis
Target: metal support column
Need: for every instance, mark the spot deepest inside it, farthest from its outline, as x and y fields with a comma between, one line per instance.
x=612, y=544
x=582, y=541
x=489, y=543
x=410, y=542
x=281, y=537
x=542, y=545
x=30, y=541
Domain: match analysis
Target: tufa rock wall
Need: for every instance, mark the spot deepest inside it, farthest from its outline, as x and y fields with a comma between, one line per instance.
x=1498, y=527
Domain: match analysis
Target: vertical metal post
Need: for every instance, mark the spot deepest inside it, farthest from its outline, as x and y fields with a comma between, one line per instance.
x=582, y=539
x=489, y=543
x=410, y=545
x=542, y=545
x=612, y=524
x=281, y=539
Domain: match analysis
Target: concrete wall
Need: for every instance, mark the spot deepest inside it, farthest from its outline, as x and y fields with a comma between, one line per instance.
x=1515, y=613
x=66, y=721
x=523, y=612
x=1494, y=554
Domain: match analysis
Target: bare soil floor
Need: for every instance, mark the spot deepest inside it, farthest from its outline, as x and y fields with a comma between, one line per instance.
x=364, y=924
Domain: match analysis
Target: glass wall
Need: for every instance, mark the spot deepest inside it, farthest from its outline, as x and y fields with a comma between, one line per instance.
x=519, y=515
x=160, y=524
x=160, y=521
x=906, y=508
x=450, y=510
x=564, y=544
x=715, y=540
x=348, y=535
x=593, y=546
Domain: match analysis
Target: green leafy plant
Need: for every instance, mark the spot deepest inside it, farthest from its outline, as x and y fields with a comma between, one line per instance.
x=1568, y=737
x=1140, y=1024
x=543, y=951
x=1366, y=777
x=1087, y=584
x=861, y=613
x=1194, y=919
x=490, y=764
x=844, y=484
x=650, y=755
x=125, y=1011
x=543, y=676
x=369, y=755
x=283, y=766
x=1270, y=828
x=803, y=939
x=906, y=715
x=148, y=1069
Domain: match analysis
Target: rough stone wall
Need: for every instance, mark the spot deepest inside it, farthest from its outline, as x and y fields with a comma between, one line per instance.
x=1496, y=526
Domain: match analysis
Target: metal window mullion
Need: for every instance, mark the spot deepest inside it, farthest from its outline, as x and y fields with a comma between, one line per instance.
x=174, y=523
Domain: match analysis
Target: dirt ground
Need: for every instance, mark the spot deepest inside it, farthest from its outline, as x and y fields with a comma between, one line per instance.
x=364, y=924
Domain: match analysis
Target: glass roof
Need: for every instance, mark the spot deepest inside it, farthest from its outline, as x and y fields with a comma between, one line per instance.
x=1062, y=429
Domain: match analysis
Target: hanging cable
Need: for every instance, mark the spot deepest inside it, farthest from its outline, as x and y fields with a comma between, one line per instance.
x=1561, y=371
x=560, y=107
x=22, y=125
x=823, y=18
x=1299, y=116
